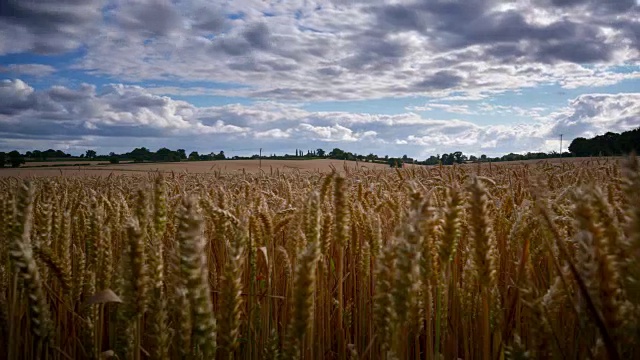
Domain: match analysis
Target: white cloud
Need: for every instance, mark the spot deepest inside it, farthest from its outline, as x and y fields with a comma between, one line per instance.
x=116, y=110
x=273, y=134
x=37, y=70
x=128, y=115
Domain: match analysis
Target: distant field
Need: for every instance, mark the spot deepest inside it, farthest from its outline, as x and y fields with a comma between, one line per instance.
x=226, y=166
x=200, y=167
x=65, y=162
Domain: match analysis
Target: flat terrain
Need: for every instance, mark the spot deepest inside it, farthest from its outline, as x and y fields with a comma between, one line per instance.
x=199, y=167
x=65, y=162
x=224, y=166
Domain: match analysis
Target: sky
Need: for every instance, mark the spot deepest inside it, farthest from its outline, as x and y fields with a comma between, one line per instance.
x=395, y=77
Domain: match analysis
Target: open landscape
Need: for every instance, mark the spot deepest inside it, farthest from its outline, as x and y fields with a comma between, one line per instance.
x=96, y=168
x=200, y=167
x=319, y=179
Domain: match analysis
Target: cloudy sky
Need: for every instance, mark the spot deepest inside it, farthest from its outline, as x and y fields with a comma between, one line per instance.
x=390, y=77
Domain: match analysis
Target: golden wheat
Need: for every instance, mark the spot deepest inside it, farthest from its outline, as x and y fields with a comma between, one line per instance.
x=471, y=262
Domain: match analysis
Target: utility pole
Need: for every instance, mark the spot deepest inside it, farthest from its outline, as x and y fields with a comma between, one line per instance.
x=561, y=145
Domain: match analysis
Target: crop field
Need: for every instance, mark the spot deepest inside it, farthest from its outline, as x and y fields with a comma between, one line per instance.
x=100, y=168
x=533, y=260
x=196, y=167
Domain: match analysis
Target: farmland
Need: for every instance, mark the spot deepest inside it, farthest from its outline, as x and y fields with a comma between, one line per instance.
x=205, y=260
x=199, y=167
x=98, y=168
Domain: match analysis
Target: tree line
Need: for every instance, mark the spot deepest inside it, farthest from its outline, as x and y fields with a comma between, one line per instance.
x=608, y=144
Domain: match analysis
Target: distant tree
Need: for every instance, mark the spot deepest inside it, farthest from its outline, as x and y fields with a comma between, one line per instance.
x=140, y=154
x=338, y=154
x=459, y=157
x=220, y=156
x=483, y=157
x=16, y=159
x=3, y=159
x=473, y=158
x=432, y=160
x=395, y=162
x=448, y=159
x=607, y=144
x=28, y=154
x=90, y=154
x=165, y=154
x=182, y=154
x=37, y=154
x=194, y=156
x=580, y=147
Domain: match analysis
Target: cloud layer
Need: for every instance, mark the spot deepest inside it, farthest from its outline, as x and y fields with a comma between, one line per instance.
x=337, y=50
x=79, y=118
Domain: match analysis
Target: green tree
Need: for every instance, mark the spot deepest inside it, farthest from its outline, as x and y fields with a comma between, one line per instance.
x=164, y=154
x=459, y=157
x=90, y=154
x=432, y=160
x=182, y=154
x=3, y=159
x=140, y=154
x=194, y=156
x=113, y=158
x=580, y=147
x=338, y=154
x=16, y=159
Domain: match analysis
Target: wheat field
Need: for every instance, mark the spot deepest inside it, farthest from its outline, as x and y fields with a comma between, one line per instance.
x=510, y=262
